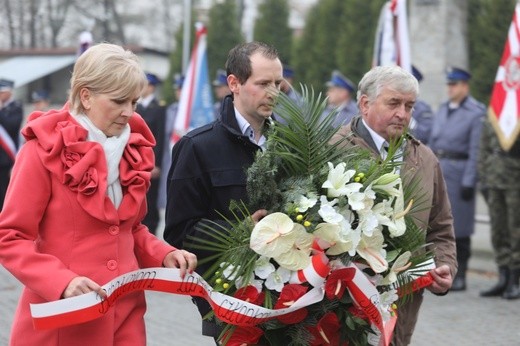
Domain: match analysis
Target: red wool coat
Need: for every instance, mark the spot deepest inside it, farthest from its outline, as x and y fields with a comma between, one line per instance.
x=58, y=223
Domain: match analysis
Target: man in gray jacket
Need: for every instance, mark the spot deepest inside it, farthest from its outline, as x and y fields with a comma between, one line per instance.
x=386, y=96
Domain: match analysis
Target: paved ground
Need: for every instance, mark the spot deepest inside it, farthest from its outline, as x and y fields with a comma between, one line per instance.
x=456, y=319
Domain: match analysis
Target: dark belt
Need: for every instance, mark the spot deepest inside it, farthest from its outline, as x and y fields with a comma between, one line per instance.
x=451, y=155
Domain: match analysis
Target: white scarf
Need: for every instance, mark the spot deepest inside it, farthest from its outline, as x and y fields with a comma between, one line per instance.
x=113, y=148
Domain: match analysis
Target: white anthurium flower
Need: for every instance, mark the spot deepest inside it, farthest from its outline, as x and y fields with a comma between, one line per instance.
x=337, y=180
x=371, y=249
x=277, y=279
x=339, y=238
x=298, y=257
x=388, y=183
x=305, y=203
x=263, y=267
x=273, y=235
x=401, y=263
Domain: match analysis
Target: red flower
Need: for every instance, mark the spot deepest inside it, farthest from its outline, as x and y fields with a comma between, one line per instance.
x=291, y=293
x=250, y=294
x=242, y=336
x=327, y=331
x=337, y=282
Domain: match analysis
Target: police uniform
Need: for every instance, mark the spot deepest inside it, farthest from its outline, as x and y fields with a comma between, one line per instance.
x=154, y=113
x=455, y=140
x=11, y=116
x=288, y=75
x=171, y=115
x=348, y=109
x=499, y=171
x=220, y=80
x=422, y=115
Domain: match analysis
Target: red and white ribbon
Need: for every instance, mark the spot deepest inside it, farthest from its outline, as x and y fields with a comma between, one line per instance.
x=87, y=307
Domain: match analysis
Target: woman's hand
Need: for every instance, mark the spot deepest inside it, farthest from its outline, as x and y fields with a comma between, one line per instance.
x=182, y=259
x=81, y=285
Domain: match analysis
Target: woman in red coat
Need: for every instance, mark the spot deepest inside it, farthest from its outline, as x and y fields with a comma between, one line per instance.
x=72, y=216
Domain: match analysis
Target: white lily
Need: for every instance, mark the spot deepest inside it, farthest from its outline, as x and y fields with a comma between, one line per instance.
x=329, y=214
x=337, y=180
x=304, y=203
x=388, y=183
x=371, y=249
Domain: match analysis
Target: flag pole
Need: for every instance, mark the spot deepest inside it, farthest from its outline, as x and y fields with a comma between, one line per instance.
x=186, y=35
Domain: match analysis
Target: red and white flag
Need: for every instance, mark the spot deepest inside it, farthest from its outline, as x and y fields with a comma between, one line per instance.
x=196, y=100
x=504, y=108
x=392, y=44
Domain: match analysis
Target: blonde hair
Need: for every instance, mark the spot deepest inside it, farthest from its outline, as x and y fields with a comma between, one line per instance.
x=106, y=69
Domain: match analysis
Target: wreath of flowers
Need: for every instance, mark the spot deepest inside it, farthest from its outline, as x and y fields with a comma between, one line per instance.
x=338, y=222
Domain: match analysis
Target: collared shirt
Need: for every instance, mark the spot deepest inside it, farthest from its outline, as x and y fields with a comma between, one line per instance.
x=379, y=141
x=145, y=101
x=248, y=131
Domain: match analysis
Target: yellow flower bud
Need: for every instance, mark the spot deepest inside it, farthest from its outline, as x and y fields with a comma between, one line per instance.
x=225, y=285
x=306, y=223
x=299, y=217
x=357, y=179
x=218, y=281
x=361, y=175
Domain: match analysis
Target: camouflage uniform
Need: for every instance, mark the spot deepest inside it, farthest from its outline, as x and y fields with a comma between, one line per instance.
x=500, y=177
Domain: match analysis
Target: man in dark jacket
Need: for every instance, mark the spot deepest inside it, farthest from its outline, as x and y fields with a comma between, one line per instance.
x=209, y=164
x=11, y=116
x=153, y=112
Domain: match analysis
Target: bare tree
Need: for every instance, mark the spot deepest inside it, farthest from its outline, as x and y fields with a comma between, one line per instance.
x=10, y=23
x=57, y=12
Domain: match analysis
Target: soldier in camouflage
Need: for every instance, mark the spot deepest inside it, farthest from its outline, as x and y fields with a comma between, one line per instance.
x=499, y=172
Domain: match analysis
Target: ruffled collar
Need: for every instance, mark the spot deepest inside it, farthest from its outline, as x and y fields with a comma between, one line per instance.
x=81, y=166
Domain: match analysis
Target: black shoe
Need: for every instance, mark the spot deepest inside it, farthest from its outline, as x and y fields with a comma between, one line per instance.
x=500, y=287
x=513, y=286
x=459, y=284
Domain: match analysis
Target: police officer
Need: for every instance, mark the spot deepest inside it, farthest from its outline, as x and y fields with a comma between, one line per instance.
x=422, y=115
x=171, y=115
x=499, y=171
x=340, y=97
x=221, y=89
x=153, y=112
x=287, y=87
x=455, y=140
x=11, y=116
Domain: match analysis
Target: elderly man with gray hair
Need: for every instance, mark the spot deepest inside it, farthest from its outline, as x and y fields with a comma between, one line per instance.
x=386, y=97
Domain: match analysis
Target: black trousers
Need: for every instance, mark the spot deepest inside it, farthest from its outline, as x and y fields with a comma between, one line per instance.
x=463, y=255
x=5, y=175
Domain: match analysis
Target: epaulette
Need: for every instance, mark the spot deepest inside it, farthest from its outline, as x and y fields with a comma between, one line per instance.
x=472, y=102
x=200, y=130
